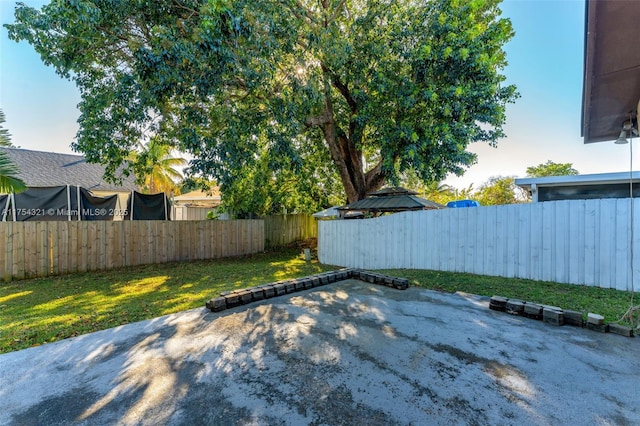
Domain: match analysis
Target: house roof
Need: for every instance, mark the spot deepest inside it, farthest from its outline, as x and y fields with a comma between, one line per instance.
x=46, y=169
x=611, y=79
x=592, y=179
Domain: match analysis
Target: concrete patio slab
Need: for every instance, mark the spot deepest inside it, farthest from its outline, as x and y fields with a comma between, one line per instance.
x=348, y=353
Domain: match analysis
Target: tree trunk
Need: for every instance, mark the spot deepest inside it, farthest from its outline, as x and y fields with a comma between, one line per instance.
x=344, y=152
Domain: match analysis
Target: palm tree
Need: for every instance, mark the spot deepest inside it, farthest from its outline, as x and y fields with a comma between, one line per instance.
x=438, y=192
x=9, y=180
x=157, y=167
x=5, y=136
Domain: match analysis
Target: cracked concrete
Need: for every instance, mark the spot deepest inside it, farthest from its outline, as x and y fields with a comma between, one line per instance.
x=343, y=354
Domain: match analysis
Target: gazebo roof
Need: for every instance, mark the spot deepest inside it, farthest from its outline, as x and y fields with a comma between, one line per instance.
x=394, y=199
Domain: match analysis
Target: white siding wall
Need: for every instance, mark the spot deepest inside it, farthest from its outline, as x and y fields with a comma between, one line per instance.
x=577, y=242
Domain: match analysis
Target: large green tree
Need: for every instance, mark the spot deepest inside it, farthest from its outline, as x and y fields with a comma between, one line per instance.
x=499, y=190
x=552, y=169
x=383, y=86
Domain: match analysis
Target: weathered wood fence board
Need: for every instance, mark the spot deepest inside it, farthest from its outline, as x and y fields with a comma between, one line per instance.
x=36, y=249
x=281, y=230
x=583, y=242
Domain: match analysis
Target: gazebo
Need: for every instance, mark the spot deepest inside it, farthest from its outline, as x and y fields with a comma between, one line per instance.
x=388, y=200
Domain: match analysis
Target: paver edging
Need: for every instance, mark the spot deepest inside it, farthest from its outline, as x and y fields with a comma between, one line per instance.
x=234, y=298
x=557, y=316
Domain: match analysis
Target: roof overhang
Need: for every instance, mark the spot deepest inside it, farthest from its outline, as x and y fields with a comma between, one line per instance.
x=593, y=179
x=611, y=81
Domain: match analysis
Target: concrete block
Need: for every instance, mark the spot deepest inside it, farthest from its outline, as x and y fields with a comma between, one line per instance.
x=218, y=304
x=573, y=318
x=298, y=284
x=232, y=300
x=332, y=277
x=308, y=283
x=595, y=319
x=379, y=279
x=294, y=285
x=498, y=303
x=514, y=307
x=401, y=283
x=245, y=296
x=370, y=278
x=552, y=316
x=601, y=328
x=533, y=310
x=621, y=330
x=269, y=291
x=349, y=272
x=388, y=281
x=555, y=308
x=324, y=279
x=257, y=293
x=280, y=289
x=315, y=281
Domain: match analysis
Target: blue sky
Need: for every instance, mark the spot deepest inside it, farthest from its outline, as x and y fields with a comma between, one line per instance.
x=545, y=63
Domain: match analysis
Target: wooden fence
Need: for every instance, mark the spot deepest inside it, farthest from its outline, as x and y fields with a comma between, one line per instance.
x=35, y=249
x=578, y=242
x=280, y=230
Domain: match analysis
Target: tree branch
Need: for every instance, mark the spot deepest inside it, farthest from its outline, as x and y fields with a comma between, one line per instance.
x=335, y=12
x=374, y=178
x=342, y=88
x=319, y=120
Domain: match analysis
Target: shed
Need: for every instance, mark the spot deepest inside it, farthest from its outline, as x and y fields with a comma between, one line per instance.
x=196, y=204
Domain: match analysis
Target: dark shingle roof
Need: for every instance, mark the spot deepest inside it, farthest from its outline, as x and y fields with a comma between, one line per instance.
x=46, y=169
x=392, y=203
x=394, y=199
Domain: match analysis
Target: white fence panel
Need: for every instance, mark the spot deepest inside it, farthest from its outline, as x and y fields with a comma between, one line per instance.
x=583, y=242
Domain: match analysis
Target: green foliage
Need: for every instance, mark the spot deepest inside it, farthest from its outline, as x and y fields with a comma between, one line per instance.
x=193, y=183
x=261, y=190
x=9, y=180
x=499, y=190
x=5, y=136
x=156, y=168
x=552, y=169
x=257, y=92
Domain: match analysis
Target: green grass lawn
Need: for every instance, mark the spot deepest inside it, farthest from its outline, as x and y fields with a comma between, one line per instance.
x=33, y=312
